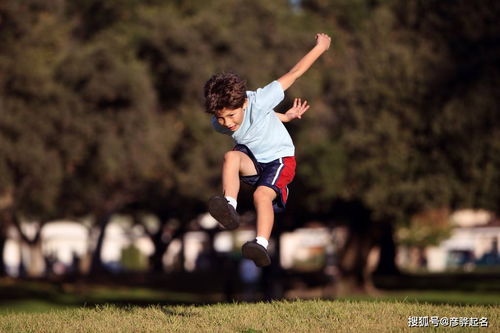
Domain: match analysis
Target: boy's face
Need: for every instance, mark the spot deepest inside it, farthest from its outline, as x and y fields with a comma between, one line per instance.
x=231, y=118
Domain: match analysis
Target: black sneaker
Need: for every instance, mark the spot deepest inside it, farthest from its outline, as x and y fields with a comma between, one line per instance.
x=223, y=212
x=256, y=252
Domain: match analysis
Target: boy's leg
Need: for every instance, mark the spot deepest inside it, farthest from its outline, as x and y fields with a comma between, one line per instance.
x=236, y=163
x=256, y=250
x=263, y=199
x=272, y=183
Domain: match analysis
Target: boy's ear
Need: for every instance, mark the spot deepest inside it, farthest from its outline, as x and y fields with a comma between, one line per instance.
x=245, y=104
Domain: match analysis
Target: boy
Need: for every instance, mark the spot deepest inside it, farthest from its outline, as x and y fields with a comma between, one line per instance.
x=264, y=153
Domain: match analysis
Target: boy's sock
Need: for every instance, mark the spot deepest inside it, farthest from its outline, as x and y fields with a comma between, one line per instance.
x=232, y=201
x=262, y=241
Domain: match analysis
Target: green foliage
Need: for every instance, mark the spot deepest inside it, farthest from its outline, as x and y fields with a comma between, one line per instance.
x=410, y=144
x=322, y=169
x=101, y=103
x=426, y=229
x=30, y=104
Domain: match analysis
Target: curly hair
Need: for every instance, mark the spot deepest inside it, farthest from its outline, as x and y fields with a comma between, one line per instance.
x=224, y=90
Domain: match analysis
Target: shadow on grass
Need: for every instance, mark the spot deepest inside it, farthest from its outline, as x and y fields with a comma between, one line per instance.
x=36, y=296
x=41, y=296
x=474, y=282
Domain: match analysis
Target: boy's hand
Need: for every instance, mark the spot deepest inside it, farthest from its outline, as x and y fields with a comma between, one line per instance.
x=323, y=40
x=322, y=44
x=297, y=110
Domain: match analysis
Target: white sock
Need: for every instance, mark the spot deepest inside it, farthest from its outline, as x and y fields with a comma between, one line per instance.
x=232, y=201
x=262, y=241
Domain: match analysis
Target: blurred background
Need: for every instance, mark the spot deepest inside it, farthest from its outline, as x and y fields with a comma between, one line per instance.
x=107, y=158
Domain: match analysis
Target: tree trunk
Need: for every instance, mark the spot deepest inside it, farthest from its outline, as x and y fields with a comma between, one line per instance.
x=103, y=214
x=160, y=246
x=4, y=225
x=354, y=275
x=3, y=240
x=36, y=264
x=31, y=250
x=96, y=265
x=387, y=261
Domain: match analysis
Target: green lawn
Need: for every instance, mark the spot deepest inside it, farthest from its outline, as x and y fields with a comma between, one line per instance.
x=437, y=297
x=282, y=316
x=25, y=296
x=49, y=307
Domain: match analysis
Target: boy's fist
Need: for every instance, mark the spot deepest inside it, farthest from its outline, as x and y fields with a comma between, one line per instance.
x=323, y=40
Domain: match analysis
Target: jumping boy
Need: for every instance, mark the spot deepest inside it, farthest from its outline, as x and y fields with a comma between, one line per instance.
x=264, y=153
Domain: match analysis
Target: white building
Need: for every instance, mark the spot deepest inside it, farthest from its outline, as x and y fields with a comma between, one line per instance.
x=476, y=235
x=63, y=241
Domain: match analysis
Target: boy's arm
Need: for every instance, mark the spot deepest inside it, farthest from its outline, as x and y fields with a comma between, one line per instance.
x=322, y=44
x=281, y=116
x=295, y=112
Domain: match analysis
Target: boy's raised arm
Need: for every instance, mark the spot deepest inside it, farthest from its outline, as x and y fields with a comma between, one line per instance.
x=322, y=44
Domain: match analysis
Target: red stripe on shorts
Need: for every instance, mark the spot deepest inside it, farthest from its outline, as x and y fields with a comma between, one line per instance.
x=286, y=176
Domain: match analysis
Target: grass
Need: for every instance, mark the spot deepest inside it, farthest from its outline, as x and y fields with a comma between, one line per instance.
x=37, y=306
x=436, y=297
x=39, y=296
x=279, y=316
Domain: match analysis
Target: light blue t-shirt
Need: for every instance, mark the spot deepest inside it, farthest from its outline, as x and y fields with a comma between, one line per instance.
x=261, y=130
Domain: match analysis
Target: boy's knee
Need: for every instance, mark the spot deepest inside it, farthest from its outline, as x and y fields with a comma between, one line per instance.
x=232, y=156
x=264, y=193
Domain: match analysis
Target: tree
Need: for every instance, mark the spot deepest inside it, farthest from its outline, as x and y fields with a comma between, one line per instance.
x=425, y=229
x=432, y=147
x=128, y=147
x=101, y=110
x=30, y=102
x=402, y=137
x=171, y=39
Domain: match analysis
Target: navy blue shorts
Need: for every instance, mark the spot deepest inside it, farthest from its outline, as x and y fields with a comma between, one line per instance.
x=276, y=174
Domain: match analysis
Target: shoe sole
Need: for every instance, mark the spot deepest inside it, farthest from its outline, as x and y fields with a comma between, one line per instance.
x=219, y=209
x=256, y=253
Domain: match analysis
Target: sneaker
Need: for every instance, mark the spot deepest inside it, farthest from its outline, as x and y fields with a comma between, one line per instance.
x=223, y=212
x=256, y=252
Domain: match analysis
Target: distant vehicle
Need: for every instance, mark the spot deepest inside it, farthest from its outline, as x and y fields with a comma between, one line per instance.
x=459, y=258
x=488, y=259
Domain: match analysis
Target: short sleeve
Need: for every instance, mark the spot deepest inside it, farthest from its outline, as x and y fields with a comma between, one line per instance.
x=269, y=97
